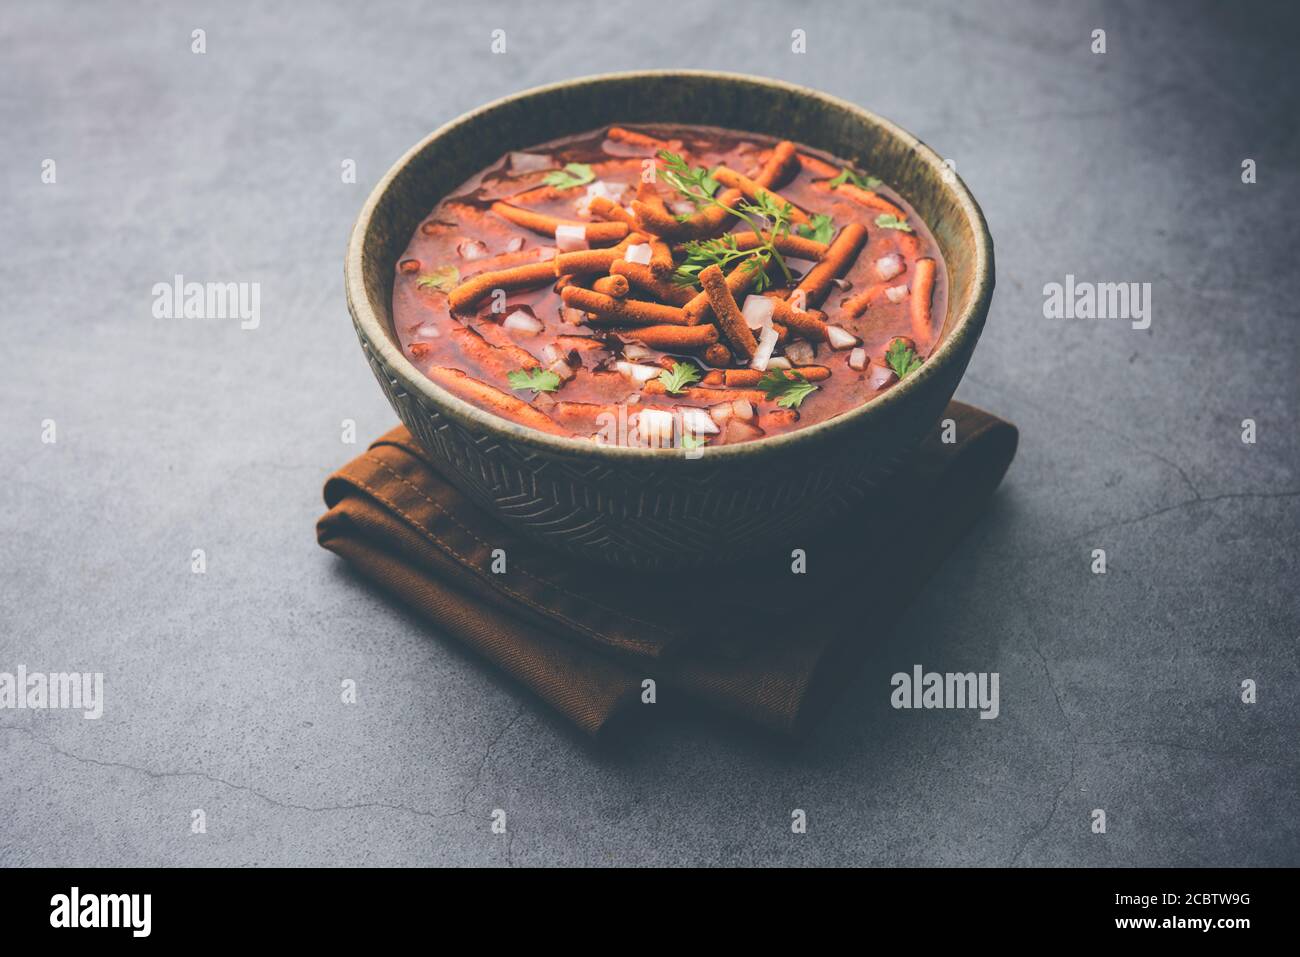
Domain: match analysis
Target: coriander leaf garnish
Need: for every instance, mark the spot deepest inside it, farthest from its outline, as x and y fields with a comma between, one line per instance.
x=679, y=377
x=768, y=219
x=702, y=253
x=778, y=215
x=722, y=252
x=821, y=229
x=890, y=221
x=902, y=358
x=788, y=390
x=444, y=279
x=758, y=263
x=538, y=379
x=692, y=441
x=573, y=175
x=697, y=185
x=847, y=175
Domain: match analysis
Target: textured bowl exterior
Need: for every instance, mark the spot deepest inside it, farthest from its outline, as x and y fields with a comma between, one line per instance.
x=658, y=509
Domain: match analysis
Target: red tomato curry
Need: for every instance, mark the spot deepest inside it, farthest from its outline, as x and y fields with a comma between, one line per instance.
x=670, y=286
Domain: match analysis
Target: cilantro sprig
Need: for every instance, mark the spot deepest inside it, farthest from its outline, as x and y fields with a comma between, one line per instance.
x=902, y=358
x=572, y=176
x=697, y=185
x=789, y=390
x=679, y=377
x=444, y=279
x=847, y=175
x=537, y=379
x=720, y=251
x=890, y=221
x=821, y=229
x=768, y=219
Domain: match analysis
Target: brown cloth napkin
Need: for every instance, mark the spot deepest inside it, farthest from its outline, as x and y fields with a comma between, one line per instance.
x=756, y=640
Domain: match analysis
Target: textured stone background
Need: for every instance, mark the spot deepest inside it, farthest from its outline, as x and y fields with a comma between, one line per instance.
x=1118, y=691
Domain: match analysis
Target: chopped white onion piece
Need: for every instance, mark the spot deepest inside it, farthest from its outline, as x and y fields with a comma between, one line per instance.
x=638, y=372
x=766, y=343
x=800, y=353
x=889, y=266
x=721, y=412
x=738, y=431
x=858, y=359
x=426, y=331
x=842, y=284
x=546, y=253
x=521, y=321
x=529, y=162
x=742, y=409
x=758, y=311
x=561, y=369
x=571, y=316
x=840, y=338
x=638, y=253
x=610, y=191
x=551, y=353
x=697, y=422
x=636, y=350
x=896, y=293
x=778, y=362
x=516, y=243
x=682, y=207
x=570, y=239
x=879, y=376
x=655, y=426
x=471, y=249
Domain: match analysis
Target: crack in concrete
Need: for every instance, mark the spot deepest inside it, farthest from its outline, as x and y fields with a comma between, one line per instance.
x=1022, y=556
x=1056, y=804
x=1122, y=436
x=1182, y=473
x=1065, y=783
x=203, y=775
x=1274, y=761
x=487, y=754
x=1069, y=730
x=1124, y=523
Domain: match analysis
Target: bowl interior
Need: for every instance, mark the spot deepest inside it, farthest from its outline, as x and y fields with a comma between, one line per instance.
x=451, y=155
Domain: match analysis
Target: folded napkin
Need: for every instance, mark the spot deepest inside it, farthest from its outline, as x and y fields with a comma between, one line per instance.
x=757, y=640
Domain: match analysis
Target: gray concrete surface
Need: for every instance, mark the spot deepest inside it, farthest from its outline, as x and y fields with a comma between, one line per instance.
x=1118, y=691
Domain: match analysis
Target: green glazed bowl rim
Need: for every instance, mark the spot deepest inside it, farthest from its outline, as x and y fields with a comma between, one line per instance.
x=967, y=323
